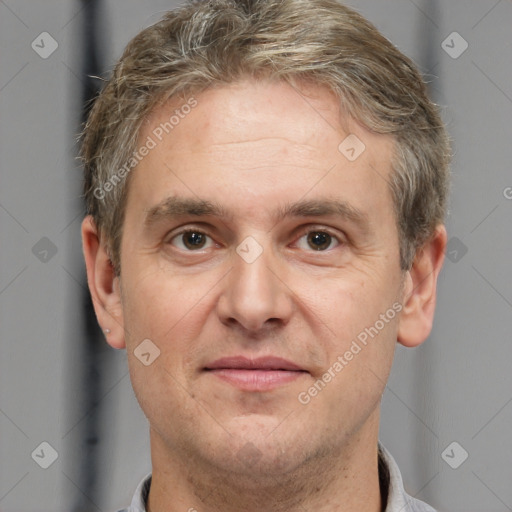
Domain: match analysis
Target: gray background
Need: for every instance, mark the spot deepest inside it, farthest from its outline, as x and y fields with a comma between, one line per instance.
x=455, y=387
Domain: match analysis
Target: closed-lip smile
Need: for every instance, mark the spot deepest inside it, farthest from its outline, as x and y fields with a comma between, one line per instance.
x=260, y=374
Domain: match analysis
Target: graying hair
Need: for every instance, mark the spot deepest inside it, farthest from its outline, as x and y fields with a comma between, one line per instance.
x=217, y=42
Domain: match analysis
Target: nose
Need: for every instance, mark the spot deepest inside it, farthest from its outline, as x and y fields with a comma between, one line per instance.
x=255, y=296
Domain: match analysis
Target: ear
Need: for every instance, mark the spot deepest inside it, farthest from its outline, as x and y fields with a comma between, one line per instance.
x=419, y=291
x=103, y=285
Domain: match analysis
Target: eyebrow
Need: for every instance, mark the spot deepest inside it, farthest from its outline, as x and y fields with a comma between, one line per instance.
x=181, y=207
x=324, y=208
x=173, y=207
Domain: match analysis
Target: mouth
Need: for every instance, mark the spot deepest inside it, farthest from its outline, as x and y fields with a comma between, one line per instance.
x=261, y=374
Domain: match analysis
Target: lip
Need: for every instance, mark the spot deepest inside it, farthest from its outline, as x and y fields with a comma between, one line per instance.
x=260, y=363
x=260, y=374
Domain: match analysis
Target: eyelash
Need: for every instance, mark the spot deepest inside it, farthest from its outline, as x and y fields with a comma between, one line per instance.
x=303, y=232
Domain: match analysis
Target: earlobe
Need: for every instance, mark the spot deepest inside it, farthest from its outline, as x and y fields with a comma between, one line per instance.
x=419, y=291
x=103, y=285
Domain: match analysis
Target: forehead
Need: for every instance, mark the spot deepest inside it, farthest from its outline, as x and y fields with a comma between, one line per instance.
x=230, y=111
x=260, y=135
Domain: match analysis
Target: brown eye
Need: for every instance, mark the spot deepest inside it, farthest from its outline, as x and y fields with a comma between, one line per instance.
x=319, y=240
x=193, y=240
x=190, y=240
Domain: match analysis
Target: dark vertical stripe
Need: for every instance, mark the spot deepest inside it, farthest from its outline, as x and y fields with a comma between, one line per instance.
x=92, y=363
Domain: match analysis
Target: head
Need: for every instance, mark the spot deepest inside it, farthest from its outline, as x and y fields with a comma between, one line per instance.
x=207, y=44
x=232, y=121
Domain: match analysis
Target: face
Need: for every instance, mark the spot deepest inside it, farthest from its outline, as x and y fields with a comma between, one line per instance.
x=262, y=260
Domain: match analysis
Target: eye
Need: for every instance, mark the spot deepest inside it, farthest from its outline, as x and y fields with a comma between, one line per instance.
x=317, y=240
x=191, y=240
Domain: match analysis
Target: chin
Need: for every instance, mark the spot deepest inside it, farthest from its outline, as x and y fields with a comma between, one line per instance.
x=255, y=467
x=262, y=454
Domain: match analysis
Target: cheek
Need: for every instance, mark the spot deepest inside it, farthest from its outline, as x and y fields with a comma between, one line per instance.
x=348, y=303
x=156, y=300
x=172, y=311
x=357, y=321
x=358, y=355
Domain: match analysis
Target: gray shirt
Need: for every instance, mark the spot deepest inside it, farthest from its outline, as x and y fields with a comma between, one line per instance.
x=391, y=480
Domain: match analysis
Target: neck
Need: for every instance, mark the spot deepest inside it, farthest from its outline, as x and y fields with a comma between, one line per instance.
x=342, y=480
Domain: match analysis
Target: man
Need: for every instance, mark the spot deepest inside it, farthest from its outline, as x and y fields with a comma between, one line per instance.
x=266, y=185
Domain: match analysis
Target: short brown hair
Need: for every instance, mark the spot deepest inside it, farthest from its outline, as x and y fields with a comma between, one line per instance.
x=222, y=41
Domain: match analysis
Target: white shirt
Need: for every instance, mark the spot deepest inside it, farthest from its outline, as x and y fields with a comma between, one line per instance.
x=398, y=499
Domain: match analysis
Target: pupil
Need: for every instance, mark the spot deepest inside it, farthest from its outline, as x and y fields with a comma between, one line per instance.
x=319, y=240
x=193, y=239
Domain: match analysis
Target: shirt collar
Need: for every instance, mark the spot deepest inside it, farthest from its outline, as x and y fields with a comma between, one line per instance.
x=398, y=500
x=389, y=475
x=140, y=497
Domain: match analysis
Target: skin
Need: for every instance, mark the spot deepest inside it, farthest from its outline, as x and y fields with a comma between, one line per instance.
x=253, y=147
